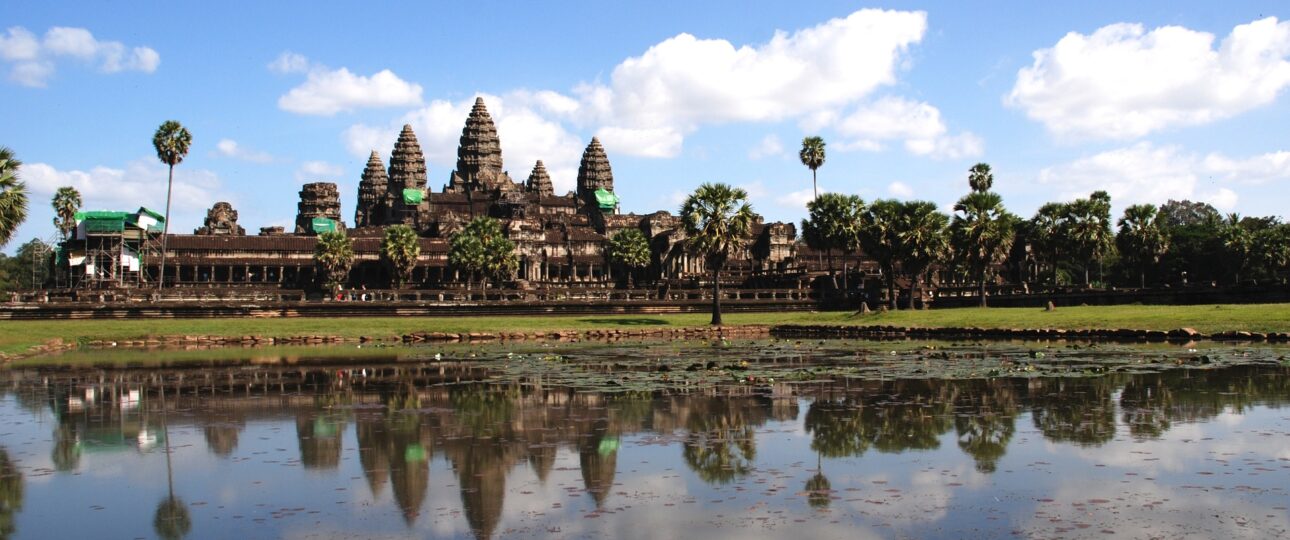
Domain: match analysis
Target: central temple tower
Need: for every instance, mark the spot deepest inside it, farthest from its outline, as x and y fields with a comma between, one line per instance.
x=479, y=156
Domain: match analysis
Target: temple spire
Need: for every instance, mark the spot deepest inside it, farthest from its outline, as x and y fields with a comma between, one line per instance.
x=407, y=171
x=539, y=181
x=372, y=191
x=594, y=173
x=479, y=155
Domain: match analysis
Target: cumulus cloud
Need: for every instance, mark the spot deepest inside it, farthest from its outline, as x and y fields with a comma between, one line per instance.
x=1124, y=82
x=140, y=183
x=1145, y=173
x=685, y=81
x=900, y=190
x=916, y=123
x=769, y=146
x=326, y=92
x=526, y=135
x=232, y=149
x=316, y=171
x=33, y=61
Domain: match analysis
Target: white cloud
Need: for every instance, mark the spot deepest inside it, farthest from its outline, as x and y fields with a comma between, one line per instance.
x=33, y=60
x=1144, y=173
x=770, y=146
x=525, y=134
x=140, y=183
x=900, y=190
x=918, y=124
x=231, y=149
x=318, y=171
x=326, y=92
x=684, y=81
x=659, y=142
x=289, y=62
x=1123, y=82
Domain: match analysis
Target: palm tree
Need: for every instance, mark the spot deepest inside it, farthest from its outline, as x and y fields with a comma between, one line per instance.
x=1048, y=232
x=880, y=240
x=981, y=233
x=1141, y=239
x=717, y=219
x=1089, y=229
x=628, y=248
x=1236, y=240
x=812, y=155
x=67, y=201
x=13, y=196
x=171, y=141
x=399, y=249
x=980, y=178
x=334, y=254
x=833, y=223
x=482, y=248
x=922, y=240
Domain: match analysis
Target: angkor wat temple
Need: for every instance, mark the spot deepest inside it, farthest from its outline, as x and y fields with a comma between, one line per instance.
x=560, y=239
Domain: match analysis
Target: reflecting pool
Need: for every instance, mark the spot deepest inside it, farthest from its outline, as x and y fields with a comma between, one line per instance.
x=650, y=440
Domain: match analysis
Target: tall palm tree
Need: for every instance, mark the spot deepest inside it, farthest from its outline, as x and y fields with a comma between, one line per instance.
x=980, y=178
x=1089, y=229
x=13, y=196
x=880, y=239
x=1141, y=238
x=1048, y=232
x=400, y=248
x=812, y=155
x=1236, y=241
x=717, y=219
x=334, y=254
x=171, y=141
x=67, y=201
x=481, y=247
x=833, y=223
x=923, y=240
x=981, y=232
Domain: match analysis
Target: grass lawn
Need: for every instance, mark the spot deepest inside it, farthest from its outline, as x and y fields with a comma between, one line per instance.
x=17, y=336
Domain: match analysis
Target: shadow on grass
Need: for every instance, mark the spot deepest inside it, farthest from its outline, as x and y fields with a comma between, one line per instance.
x=626, y=321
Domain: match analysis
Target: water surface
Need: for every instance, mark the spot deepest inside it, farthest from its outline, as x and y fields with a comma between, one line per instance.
x=850, y=439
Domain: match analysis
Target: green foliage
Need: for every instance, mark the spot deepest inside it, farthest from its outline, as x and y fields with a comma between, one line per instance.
x=28, y=269
x=980, y=179
x=922, y=239
x=812, y=155
x=834, y=223
x=67, y=201
x=717, y=219
x=981, y=234
x=629, y=248
x=880, y=238
x=1088, y=229
x=1141, y=238
x=399, y=249
x=482, y=249
x=171, y=141
x=334, y=254
x=13, y=196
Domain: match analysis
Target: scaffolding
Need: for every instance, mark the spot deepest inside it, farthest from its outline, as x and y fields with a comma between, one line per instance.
x=110, y=249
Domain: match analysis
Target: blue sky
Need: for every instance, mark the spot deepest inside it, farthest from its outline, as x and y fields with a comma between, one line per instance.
x=1148, y=100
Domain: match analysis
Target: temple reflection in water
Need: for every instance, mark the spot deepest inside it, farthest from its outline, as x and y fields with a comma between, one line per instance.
x=400, y=418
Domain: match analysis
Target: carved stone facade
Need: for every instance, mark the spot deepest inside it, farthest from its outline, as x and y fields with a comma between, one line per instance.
x=560, y=239
x=221, y=219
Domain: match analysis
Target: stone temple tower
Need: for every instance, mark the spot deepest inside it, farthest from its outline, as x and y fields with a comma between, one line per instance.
x=373, y=189
x=407, y=172
x=539, y=181
x=594, y=174
x=479, y=156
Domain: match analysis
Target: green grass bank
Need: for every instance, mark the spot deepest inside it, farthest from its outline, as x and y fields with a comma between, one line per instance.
x=17, y=336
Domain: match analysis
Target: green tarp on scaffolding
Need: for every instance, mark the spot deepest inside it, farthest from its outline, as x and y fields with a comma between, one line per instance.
x=413, y=196
x=606, y=200
x=102, y=221
x=321, y=225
